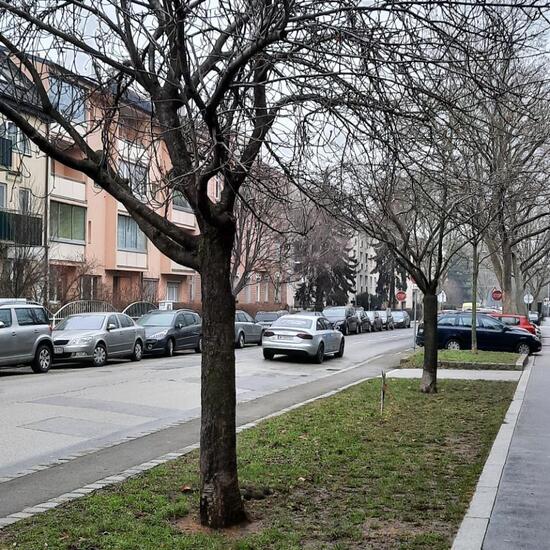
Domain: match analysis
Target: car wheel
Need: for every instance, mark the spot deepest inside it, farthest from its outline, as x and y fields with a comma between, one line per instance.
x=453, y=344
x=100, y=355
x=320, y=355
x=523, y=348
x=345, y=329
x=198, y=349
x=169, y=349
x=340, y=352
x=42, y=359
x=137, y=354
x=241, y=341
x=358, y=328
x=268, y=354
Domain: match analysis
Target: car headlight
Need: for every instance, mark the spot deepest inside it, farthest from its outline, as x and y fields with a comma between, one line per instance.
x=159, y=335
x=83, y=340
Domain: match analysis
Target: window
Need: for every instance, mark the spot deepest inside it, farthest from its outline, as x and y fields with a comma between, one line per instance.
x=67, y=221
x=180, y=202
x=112, y=321
x=172, y=292
x=24, y=200
x=2, y=195
x=5, y=317
x=466, y=321
x=192, y=289
x=180, y=320
x=266, y=289
x=218, y=190
x=510, y=321
x=67, y=99
x=447, y=321
x=491, y=324
x=24, y=316
x=130, y=236
x=240, y=317
x=19, y=141
x=190, y=319
x=137, y=175
x=125, y=321
x=89, y=286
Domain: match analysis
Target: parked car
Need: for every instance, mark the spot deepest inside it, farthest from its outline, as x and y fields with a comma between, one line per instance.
x=25, y=336
x=516, y=321
x=312, y=313
x=266, y=318
x=247, y=331
x=96, y=337
x=342, y=318
x=364, y=321
x=303, y=335
x=375, y=320
x=534, y=317
x=169, y=331
x=401, y=319
x=387, y=319
x=455, y=332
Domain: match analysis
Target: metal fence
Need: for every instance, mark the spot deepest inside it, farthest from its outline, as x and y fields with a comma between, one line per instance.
x=137, y=309
x=81, y=306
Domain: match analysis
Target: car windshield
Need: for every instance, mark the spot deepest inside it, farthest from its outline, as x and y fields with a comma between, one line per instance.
x=292, y=322
x=398, y=315
x=370, y=314
x=82, y=322
x=156, y=320
x=382, y=314
x=334, y=312
x=268, y=316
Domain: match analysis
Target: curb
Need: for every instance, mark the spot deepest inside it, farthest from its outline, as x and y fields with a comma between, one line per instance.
x=139, y=469
x=472, y=530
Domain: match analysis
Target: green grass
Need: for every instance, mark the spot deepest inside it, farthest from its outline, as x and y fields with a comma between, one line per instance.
x=340, y=476
x=466, y=356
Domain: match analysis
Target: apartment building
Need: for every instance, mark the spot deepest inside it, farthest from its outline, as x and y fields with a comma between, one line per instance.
x=94, y=249
x=366, y=278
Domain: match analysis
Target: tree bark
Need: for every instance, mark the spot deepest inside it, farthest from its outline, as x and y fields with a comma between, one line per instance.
x=475, y=274
x=220, y=502
x=429, y=374
x=508, y=301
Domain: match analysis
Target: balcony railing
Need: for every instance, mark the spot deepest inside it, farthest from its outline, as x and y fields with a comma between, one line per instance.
x=20, y=228
x=5, y=152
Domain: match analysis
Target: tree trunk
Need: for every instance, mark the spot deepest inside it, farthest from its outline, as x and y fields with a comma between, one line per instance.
x=429, y=374
x=220, y=502
x=508, y=301
x=475, y=273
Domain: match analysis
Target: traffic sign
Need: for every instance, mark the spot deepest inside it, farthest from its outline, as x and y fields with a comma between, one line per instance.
x=401, y=295
x=442, y=297
x=496, y=295
x=547, y=301
x=528, y=298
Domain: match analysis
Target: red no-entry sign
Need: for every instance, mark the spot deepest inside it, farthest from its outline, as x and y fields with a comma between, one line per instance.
x=401, y=295
x=497, y=295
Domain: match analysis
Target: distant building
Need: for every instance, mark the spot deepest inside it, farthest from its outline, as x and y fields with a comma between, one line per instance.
x=365, y=277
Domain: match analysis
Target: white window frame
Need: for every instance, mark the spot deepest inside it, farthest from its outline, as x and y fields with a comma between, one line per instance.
x=3, y=195
x=125, y=248
x=171, y=285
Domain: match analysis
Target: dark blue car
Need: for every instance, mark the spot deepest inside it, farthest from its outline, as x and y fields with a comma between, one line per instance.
x=454, y=331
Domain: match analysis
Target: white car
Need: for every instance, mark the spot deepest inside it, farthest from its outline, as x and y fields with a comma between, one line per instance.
x=302, y=335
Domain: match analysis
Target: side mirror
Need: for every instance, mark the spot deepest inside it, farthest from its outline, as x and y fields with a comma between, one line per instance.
x=179, y=326
x=505, y=328
x=111, y=326
x=2, y=325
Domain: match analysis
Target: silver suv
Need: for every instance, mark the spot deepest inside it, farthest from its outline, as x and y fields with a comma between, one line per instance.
x=25, y=336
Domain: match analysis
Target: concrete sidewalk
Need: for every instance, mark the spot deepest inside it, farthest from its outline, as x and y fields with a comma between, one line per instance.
x=520, y=515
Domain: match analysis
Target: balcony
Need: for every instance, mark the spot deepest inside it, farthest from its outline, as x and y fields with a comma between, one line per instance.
x=5, y=153
x=20, y=228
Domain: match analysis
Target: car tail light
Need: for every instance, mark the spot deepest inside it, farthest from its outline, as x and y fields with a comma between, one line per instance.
x=269, y=333
x=304, y=336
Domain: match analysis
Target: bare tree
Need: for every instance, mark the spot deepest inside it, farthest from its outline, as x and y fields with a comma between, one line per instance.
x=203, y=88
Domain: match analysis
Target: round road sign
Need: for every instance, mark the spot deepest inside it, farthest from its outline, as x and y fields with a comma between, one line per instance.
x=496, y=295
x=528, y=298
x=401, y=295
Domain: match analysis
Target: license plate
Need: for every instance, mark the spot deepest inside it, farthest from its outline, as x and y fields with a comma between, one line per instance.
x=281, y=337
x=58, y=350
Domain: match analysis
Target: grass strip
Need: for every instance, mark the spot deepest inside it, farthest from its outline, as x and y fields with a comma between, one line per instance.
x=333, y=474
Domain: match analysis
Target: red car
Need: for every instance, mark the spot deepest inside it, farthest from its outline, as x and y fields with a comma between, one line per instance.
x=515, y=320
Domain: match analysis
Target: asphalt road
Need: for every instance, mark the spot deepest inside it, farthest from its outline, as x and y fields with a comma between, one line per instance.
x=75, y=409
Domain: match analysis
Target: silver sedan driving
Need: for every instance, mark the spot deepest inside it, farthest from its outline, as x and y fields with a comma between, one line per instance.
x=95, y=337
x=303, y=335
